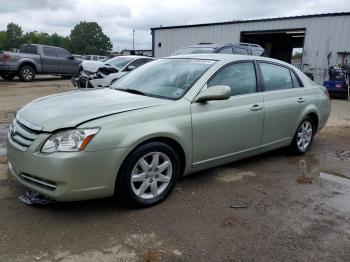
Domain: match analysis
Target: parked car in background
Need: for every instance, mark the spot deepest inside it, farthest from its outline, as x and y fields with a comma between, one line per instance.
x=35, y=59
x=102, y=74
x=95, y=57
x=226, y=48
x=81, y=57
x=170, y=117
x=337, y=85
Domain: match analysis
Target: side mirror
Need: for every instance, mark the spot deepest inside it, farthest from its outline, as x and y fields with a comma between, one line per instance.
x=71, y=57
x=214, y=93
x=130, y=68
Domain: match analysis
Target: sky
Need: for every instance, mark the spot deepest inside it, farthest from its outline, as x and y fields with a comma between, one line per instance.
x=118, y=18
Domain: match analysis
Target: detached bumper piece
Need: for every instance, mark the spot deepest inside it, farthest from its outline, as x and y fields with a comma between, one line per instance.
x=34, y=198
x=82, y=82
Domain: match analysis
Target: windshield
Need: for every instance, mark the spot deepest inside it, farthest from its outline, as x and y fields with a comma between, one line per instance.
x=119, y=62
x=194, y=50
x=164, y=78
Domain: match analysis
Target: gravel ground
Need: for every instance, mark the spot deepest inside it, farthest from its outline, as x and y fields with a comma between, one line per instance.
x=272, y=207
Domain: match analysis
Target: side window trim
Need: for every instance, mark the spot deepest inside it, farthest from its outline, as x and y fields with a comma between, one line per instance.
x=301, y=85
x=257, y=80
x=277, y=64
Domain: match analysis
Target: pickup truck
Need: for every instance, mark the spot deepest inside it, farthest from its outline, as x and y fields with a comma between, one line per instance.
x=35, y=59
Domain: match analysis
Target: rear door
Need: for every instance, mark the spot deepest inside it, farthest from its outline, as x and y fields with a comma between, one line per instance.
x=223, y=129
x=284, y=101
x=49, y=60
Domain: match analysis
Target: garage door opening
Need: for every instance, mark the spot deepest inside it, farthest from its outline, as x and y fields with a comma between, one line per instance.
x=279, y=44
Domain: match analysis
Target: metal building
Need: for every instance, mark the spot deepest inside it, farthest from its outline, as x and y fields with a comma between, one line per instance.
x=323, y=38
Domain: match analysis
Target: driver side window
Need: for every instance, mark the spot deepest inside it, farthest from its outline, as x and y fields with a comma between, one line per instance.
x=240, y=77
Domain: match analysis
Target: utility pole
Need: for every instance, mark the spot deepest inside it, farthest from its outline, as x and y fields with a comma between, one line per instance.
x=133, y=39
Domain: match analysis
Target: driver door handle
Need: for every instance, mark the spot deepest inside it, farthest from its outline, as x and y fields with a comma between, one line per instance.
x=256, y=107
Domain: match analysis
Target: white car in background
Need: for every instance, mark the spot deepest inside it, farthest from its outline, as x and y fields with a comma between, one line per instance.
x=96, y=74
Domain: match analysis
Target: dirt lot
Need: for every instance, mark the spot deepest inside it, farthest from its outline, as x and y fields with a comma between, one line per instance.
x=271, y=207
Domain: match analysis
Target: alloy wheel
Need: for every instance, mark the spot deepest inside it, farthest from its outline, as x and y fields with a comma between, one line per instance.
x=27, y=74
x=304, y=135
x=151, y=175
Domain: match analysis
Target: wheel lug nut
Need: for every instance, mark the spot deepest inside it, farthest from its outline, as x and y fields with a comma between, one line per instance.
x=157, y=176
x=151, y=180
x=146, y=176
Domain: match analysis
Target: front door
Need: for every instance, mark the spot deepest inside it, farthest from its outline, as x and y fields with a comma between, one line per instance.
x=68, y=65
x=226, y=129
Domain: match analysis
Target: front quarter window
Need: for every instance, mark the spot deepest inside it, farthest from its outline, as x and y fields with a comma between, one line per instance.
x=164, y=78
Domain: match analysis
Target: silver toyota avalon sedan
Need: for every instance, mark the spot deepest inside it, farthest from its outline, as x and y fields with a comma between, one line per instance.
x=170, y=117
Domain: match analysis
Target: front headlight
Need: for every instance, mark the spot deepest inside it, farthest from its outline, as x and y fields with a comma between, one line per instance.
x=73, y=140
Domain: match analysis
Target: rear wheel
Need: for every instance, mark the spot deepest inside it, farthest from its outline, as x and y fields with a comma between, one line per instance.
x=7, y=76
x=148, y=175
x=303, y=137
x=26, y=73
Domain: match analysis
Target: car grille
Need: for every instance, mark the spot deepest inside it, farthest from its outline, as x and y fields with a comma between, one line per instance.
x=21, y=136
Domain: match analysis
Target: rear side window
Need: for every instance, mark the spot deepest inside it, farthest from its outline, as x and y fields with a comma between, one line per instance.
x=49, y=51
x=29, y=49
x=226, y=50
x=276, y=77
x=33, y=49
x=240, y=51
x=240, y=77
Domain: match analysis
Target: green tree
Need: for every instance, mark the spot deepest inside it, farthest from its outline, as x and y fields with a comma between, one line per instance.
x=14, y=36
x=2, y=40
x=88, y=38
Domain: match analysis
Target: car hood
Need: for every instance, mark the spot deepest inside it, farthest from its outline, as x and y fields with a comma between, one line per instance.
x=92, y=66
x=69, y=109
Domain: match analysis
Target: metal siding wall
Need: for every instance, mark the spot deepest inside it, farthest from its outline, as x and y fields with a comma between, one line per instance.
x=323, y=35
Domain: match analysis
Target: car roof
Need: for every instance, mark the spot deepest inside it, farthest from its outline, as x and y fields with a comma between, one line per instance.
x=134, y=56
x=228, y=58
x=218, y=45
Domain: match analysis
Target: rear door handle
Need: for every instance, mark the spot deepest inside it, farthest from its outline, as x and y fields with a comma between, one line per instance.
x=256, y=107
x=301, y=100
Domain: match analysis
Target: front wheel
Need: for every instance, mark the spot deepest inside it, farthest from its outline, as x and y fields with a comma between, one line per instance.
x=7, y=76
x=303, y=137
x=26, y=73
x=148, y=175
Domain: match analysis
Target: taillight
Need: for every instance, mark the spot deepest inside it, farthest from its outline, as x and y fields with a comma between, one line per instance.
x=4, y=57
x=338, y=85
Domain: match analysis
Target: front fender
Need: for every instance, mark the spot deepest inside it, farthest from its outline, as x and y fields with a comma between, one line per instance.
x=131, y=129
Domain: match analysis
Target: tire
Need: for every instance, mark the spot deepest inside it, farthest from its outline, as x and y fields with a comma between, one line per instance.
x=304, y=137
x=152, y=183
x=26, y=73
x=8, y=76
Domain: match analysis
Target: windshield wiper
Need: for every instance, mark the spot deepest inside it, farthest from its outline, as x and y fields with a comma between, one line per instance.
x=133, y=91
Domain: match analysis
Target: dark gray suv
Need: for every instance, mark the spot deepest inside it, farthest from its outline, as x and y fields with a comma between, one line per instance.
x=226, y=48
